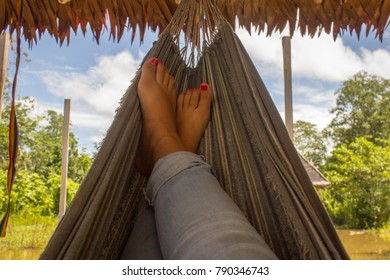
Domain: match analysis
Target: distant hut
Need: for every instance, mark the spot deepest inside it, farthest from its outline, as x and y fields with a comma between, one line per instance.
x=317, y=178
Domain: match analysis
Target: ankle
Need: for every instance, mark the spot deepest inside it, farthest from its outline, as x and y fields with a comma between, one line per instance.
x=166, y=144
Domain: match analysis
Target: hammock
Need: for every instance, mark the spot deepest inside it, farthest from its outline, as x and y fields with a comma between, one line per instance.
x=246, y=142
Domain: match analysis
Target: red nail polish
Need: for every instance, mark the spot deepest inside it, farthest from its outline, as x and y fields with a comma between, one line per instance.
x=154, y=61
x=203, y=87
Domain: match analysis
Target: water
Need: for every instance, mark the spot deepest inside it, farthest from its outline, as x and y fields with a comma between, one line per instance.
x=360, y=245
x=366, y=245
x=20, y=255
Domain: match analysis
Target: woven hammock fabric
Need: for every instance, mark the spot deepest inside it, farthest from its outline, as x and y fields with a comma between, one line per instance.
x=246, y=142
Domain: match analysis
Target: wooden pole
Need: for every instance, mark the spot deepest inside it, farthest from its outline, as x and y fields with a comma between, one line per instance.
x=65, y=158
x=4, y=46
x=288, y=99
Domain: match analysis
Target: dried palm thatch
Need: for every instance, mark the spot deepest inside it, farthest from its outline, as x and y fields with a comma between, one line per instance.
x=59, y=17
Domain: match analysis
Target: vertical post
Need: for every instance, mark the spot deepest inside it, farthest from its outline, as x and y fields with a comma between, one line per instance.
x=65, y=157
x=288, y=99
x=4, y=46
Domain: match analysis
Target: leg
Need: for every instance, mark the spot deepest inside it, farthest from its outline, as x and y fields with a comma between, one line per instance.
x=143, y=243
x=157, y=95
x=195, y=218
x=159, y=136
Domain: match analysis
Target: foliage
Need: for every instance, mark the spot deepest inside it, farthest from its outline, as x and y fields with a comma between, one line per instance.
x=27, y=124
x=47, y=146
x=54, y=181
x=79, y=163
x=40, y=142
x=31, y=194
x=359, y=165
x=41, y=138
x=360, y=177
x=309, y=142
x=362, y=109
x=37, y=182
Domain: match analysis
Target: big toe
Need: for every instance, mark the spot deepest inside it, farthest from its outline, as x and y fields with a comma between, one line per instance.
x=149, y=69
x=205, y=97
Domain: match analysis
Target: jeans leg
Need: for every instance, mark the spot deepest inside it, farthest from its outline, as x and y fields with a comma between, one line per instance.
x=195, y=218
x=143, y=242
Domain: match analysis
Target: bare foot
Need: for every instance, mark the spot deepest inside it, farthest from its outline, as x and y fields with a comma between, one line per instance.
x=159, y=136
x=193, y=116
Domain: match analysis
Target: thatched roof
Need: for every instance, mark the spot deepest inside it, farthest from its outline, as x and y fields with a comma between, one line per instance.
x=59, y=17
x=318, y=180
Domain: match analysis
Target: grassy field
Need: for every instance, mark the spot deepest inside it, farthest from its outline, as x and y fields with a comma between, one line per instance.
x=26, y=237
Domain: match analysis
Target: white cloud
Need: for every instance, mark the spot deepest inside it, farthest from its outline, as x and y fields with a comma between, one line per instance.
x=318, y=66
x=315, y=94
x=95, y=94
x=89, y=127
x=90, y=120
x=319, y=58
x=377, y=62
x=100, y=88
x=314, y=114
x=323, y=59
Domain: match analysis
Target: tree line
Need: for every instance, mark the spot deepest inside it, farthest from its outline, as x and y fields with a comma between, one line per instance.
x=353, y=152
x=38, y=179
x=357, y=164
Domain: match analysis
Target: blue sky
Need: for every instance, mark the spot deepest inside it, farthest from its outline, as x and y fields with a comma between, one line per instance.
x=96, y=76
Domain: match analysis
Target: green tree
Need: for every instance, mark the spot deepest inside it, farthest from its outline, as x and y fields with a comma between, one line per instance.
x=40, y=142
x=362, y=109
x=309, y=142
x=79, y=164
x=27, y=125
x=54, y=181
x=39, y=159
x=33, y=195
x=360, y=177
x=47, y=148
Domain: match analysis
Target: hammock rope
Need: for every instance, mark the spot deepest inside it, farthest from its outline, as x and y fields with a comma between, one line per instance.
x=13, y=137
x=246, y=143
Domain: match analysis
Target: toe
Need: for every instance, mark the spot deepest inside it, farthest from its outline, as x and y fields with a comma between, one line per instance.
x=187, y=98
x=171, y=84
x=205, y=97
x=171, y=89
x=180, y=102
x=167, y=77
x=194, y=101
x=149, y=69
x=161, y=73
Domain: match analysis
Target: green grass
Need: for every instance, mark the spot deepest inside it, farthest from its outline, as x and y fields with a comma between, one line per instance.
x=26, y=236
x=384, y=232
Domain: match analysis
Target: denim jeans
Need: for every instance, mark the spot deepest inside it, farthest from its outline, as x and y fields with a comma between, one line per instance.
x=191, y=217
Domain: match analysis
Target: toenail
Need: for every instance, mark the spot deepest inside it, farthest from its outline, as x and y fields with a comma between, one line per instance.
x=203, y=87
x=154, y=61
